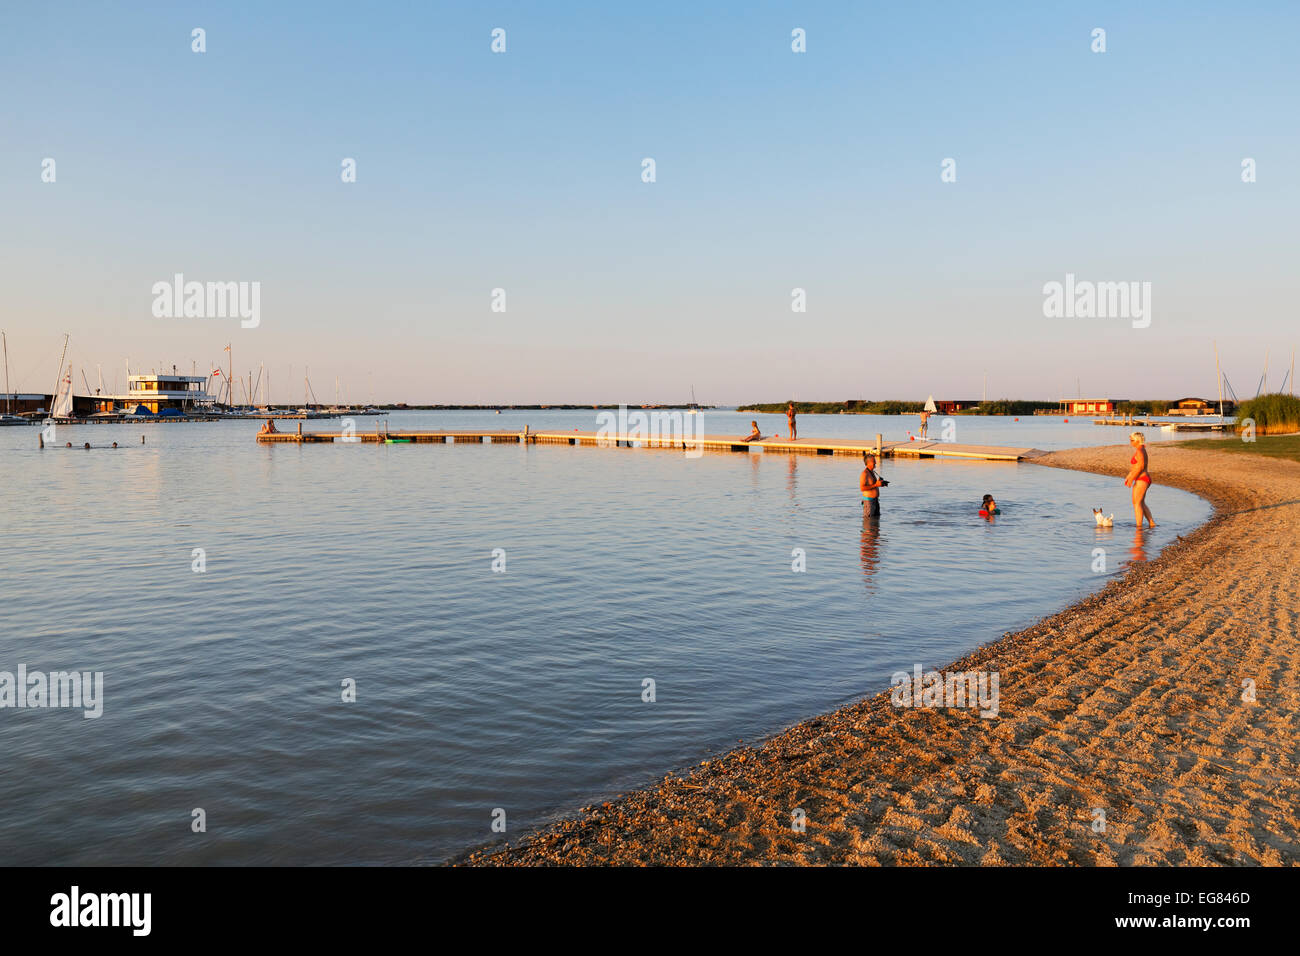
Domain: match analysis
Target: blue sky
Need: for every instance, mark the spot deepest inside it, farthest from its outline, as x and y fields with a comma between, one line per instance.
x=775, y=170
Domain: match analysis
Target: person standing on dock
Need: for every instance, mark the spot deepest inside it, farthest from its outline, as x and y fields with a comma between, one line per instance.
x=871, y=483
x=789, y=417
x=925, y=422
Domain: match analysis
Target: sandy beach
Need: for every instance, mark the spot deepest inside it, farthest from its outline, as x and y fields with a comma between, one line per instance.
x=1130, y=702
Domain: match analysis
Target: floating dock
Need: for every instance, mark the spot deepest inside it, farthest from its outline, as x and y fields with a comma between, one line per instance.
x=1187, y=425
x=725, y=443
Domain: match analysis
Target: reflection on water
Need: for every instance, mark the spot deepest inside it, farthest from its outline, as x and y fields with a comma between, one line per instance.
x=870, y=549
x=1138, y=552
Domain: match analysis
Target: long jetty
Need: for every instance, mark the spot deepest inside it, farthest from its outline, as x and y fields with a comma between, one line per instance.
x=1182, y=425
x=917, y=448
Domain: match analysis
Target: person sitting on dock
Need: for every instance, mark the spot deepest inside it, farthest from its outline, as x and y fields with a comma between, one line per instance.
x=268, y=428
x=755, y=434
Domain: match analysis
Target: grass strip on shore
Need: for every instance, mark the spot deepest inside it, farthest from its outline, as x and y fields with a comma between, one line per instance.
x=1276, y=446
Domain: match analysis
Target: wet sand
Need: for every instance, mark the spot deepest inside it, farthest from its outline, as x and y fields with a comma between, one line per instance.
x=1130, y=701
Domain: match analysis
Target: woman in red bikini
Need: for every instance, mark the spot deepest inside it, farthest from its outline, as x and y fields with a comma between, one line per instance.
x=1139, y=479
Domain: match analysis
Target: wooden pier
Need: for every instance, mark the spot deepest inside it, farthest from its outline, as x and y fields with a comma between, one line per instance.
x=714, y=443
x=1187, y=425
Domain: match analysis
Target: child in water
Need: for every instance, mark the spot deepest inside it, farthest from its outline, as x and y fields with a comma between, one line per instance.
x=988, y=506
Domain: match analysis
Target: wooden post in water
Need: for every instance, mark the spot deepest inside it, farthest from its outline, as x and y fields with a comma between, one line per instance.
x=878, y=440
x=300, y=431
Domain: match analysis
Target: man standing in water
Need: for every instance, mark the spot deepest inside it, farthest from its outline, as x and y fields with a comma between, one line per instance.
x=871, y=485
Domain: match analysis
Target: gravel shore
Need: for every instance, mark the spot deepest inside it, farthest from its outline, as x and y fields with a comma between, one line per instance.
x=1129, y=703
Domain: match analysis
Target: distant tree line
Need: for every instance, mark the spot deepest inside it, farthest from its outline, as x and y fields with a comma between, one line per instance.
x=1143, y=408
x=856, y=406
x=860, y=406
x=1010, y=406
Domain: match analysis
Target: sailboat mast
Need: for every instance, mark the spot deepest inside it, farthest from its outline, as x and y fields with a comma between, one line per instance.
x=1219, y=375
x=8, y=398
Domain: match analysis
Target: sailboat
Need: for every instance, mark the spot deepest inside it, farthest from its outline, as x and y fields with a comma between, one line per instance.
x=62, y=410
x=930, y=406
x=693, y=408
x=6, y=418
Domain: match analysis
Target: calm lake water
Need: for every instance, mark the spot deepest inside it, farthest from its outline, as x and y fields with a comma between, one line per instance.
x=477, y=690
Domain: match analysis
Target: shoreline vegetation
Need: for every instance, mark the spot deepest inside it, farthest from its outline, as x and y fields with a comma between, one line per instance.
x=404, y=407
x=1163, y=705
x=1273, y=414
